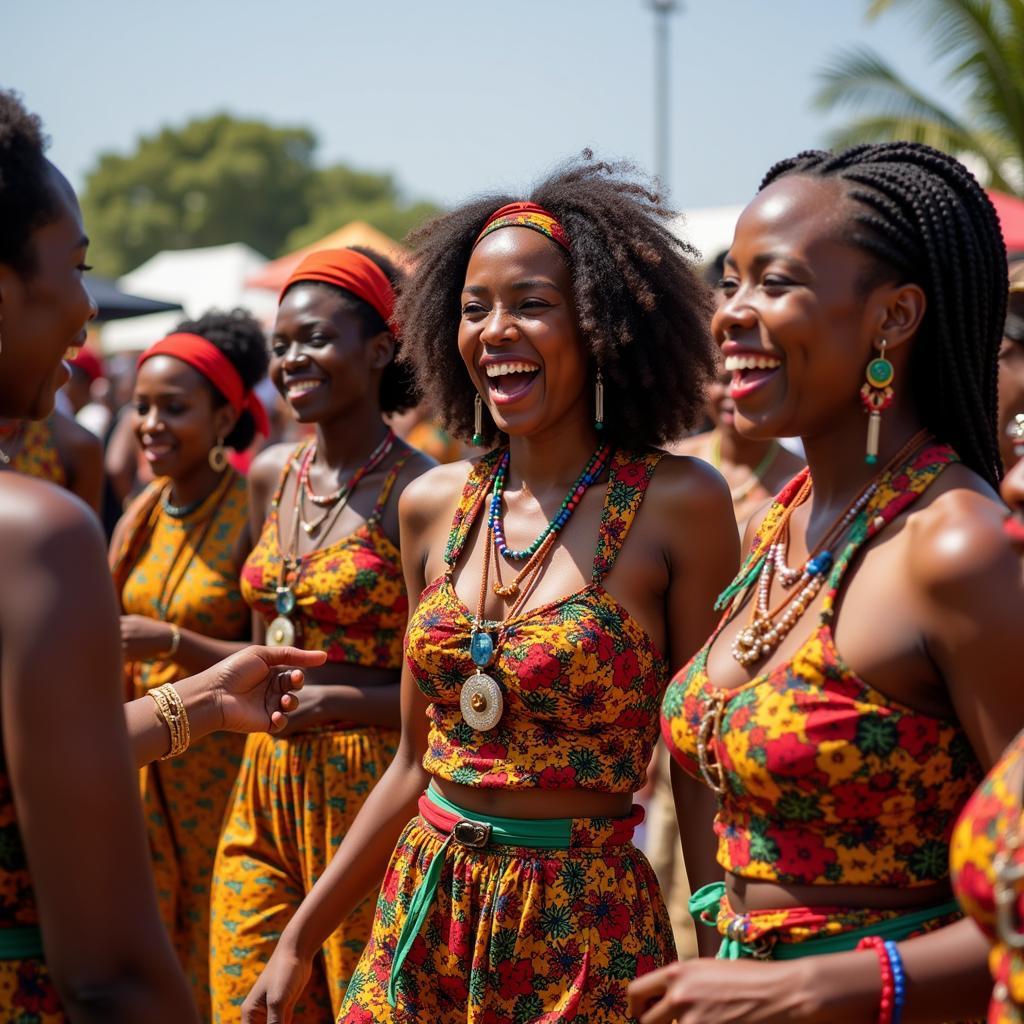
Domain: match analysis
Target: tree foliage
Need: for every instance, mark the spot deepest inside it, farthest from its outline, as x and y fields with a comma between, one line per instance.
x=981, y=42
x=221, y=179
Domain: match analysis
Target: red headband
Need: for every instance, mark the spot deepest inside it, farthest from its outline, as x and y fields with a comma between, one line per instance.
x=526, y=215
x=207, y=359
x=351, y=270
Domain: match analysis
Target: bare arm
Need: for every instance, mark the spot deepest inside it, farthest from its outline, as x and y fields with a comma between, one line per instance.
x=71, y=768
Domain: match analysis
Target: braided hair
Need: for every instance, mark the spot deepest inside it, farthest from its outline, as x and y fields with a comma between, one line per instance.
x=644, y=313
x=925, y=219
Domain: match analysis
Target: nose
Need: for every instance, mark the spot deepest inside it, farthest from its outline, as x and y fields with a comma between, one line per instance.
x=294, y=356
x=93, y=308
x=733, y=313
x=150, y=422
x=499, y=326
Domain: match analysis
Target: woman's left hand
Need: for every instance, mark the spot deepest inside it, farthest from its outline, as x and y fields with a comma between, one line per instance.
x=145, y=639
x=719, y=992
x=254, y=688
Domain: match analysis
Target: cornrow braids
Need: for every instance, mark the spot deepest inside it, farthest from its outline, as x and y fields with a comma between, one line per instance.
x=644, y=313
x=925, y=219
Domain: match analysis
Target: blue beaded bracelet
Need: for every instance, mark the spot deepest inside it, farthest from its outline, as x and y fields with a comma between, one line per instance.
x=899, y=980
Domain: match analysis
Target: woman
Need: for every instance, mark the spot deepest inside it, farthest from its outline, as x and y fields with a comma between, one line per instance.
x=862, y=309
x=326, y=571
x=80, y=935
x=176, y=559
x=543, y=625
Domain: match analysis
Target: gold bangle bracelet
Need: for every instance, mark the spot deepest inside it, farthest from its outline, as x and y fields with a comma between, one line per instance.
x=175, y=641
x=172, y=711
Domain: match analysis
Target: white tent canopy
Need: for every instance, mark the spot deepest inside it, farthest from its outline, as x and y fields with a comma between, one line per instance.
x=708, y=228
x=200, y=279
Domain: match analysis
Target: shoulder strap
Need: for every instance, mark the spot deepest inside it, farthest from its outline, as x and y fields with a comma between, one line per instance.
x=896, y=492
x=140, y=520
x=295, y=457
x=474, y=493
x=628, y=478
x=389, y=484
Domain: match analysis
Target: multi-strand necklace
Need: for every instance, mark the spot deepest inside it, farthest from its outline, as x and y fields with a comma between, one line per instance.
x=480, y=699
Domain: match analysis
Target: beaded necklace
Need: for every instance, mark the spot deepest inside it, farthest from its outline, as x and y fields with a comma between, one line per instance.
x=591, y=472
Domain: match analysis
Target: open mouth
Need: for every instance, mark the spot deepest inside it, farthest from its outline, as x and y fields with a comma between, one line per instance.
x=510, y=381
x=749, y=372
x=153, y=452
x=298, y=390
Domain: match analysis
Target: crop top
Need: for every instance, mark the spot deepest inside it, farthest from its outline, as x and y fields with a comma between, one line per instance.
x=581, y=681
x=350, y=596
x=826, y=780
x=992, y=814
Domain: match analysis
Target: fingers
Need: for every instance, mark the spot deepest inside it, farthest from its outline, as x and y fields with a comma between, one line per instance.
x=647, y=988
x=289, y=656
x=289, y=702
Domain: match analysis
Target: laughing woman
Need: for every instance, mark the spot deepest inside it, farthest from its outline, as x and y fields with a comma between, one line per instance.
x=867, y=668
x=177, y=555
x=80, y=935
x=555, y=581
x=326, y=570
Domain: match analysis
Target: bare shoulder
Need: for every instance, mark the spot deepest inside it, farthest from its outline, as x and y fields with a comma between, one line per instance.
x=74, y=438
x=684, y=485
x=415, y=466
x=268, y=465
x=433, y=493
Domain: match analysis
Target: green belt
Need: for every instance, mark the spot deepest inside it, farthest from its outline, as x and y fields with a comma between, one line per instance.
x=476, y=831
x=894, y=928
x=20, y=943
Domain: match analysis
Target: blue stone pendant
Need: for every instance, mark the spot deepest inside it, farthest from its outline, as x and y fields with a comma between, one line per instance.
x=284, y=602
x=481, y=649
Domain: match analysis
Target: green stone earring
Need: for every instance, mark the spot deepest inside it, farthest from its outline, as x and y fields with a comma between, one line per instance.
x=876, y=394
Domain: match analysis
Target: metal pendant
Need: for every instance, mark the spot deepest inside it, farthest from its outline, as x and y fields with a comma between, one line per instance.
x=481, y=702
x=284, y=602
x=281, y=632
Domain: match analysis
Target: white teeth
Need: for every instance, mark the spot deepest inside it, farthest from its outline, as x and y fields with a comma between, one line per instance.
x=302, y=386
x=733, y=363
x=500, y=369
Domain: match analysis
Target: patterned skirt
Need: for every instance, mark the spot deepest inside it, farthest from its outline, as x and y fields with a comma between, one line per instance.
x=514, y=934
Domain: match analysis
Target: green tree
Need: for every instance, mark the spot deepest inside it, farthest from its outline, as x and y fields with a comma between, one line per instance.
x=982, y=44
x=216, y=180
x=340, y=194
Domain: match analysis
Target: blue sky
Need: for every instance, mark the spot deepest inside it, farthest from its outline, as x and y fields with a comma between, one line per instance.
x=454, y=97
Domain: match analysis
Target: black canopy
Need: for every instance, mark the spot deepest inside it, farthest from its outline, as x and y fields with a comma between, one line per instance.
x=115, y=304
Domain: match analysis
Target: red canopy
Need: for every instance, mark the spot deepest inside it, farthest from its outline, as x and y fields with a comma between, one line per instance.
x=1011, y=216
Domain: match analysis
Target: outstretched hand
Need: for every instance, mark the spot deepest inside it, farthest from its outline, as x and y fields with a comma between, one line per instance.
x=255, y=688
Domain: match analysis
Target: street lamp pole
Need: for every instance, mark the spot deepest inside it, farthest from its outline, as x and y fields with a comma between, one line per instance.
x=663, y=9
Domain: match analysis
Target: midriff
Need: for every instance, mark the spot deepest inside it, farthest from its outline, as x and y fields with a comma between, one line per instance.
x=746, y=895
x=536, y=803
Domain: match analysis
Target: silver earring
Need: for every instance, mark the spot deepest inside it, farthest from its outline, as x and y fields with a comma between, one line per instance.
x=478, y=421
x=599, y=400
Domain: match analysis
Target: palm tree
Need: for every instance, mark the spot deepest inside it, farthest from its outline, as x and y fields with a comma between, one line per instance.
x=983, y=42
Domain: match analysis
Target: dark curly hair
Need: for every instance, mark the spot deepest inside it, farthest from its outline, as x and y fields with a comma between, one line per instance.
x=239, y=336
x=397, y=387
x=27, y=198
x=644, y=312
x=925, y=219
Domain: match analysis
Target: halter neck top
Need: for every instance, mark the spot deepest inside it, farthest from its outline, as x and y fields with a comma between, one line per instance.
x=350, y=595
x=37, y=453
x=581, y=680
x=826, y=780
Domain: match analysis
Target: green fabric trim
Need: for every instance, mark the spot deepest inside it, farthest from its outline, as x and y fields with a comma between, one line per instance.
x=897, y=929
x=20, y=943
x=544, y=834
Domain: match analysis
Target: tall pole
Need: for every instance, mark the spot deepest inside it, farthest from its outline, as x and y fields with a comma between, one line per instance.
x=663, y=9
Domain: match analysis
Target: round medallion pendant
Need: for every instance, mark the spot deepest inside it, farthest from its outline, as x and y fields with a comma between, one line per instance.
x=481, y=702
x=281, y=632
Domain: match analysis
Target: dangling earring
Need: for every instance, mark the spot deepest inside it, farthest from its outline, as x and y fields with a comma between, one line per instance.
x=876, y=395
x=218, y=456
x=599, y=400
x=478, y=421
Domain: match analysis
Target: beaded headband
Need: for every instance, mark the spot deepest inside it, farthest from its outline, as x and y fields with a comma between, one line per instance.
x=526, y=215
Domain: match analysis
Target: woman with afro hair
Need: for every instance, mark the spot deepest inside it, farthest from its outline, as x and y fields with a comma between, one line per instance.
x=554, y=584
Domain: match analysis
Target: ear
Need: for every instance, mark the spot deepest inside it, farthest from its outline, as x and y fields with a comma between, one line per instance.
x=901, y=311
x=224, y=420
x=381, y=350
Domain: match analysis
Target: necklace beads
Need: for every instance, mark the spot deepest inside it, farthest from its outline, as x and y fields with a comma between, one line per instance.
x=591, y=472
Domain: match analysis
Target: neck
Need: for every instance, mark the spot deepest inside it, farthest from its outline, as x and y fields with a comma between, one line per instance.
x=195, y=487
x=738, y=450
x=552, y=458
x=836, y=458
x=346, y=442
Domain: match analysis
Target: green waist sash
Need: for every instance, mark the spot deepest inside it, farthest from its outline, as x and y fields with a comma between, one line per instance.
x=895, y=928
x=476, y=831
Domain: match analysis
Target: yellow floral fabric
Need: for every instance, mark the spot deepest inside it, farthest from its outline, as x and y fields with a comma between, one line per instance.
x=826, y=779
x=192, y=564
x=37, y=454
x=991, y=817
x=581, y=680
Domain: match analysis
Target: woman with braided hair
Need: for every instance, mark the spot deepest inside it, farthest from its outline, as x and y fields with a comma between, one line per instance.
x=865, y=672
x=547, y=606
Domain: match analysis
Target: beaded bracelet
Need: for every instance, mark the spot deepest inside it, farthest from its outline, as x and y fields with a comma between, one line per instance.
x=171, y=711
x=899, y=980
x=887, y=1000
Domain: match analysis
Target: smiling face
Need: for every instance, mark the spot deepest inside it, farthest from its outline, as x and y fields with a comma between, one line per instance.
x=176, y=419
x=795, y=323
x=320, y=361
x=518, y=334
x=45, y=313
